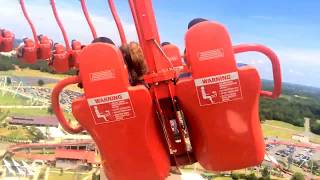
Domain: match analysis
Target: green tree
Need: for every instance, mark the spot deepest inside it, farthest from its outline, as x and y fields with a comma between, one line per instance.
x=40, y=82
x=265, y=173
x=36, y=134
x=8, y=81
x=5, y=63
x=251, y=176
x=235, y=176
x=50, y=110
x=297, y=176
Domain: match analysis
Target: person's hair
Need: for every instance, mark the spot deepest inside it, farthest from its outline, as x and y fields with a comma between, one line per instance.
x=103, y=40
x=195, y=21
x=133, y=57
x=165, y=43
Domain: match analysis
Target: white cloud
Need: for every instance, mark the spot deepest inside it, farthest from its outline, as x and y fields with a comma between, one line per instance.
x=303, y=56
x=299, y=66
x=73, y=19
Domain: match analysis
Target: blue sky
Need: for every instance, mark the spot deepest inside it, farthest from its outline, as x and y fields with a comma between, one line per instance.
x=290, y=27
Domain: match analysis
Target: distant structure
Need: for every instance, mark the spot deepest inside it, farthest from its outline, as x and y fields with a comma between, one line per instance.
x=305, y=136
x=72, y=159
x=48, y=121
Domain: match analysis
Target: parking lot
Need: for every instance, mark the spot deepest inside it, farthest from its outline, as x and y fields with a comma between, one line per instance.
x=298, y=156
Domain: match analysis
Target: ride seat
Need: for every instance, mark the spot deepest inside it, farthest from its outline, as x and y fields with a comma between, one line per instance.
x=45, y=47
x=173, y=53
x=60, y=59
x=29, y=51
x=0, y=38
x=76, y=49
x=119, y=117
x=220, y=102
x=7, y=41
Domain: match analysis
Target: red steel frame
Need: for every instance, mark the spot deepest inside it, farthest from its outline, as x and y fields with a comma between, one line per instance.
x=64, y=34
x=118, y=22
x=86, y=14
x=275, y=66
x=33, y=29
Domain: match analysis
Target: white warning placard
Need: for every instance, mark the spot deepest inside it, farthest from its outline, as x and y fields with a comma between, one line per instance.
x=218, y=89
x=115, y=107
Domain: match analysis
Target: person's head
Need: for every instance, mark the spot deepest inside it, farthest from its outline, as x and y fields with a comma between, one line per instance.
x=195, y=21
x=133, y=57
x=165, y=43
x=103, y=40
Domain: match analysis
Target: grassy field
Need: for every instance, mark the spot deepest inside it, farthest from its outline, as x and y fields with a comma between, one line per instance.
x=36, y=73
x=32, y=73
x=284, y=125
x=8, y=99
x=67, y=175
x=280, y=129
x=19, y=133
x=285, y=131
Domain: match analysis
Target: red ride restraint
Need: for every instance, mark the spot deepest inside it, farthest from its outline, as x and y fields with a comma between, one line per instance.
x=7, y=41
x=45, y=46
x=220, y=102
x=120, y=118
x=60, y=60
x=0, y=38
x=173, y=54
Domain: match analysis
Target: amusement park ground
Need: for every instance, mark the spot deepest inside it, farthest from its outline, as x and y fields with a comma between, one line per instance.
x=275, y=129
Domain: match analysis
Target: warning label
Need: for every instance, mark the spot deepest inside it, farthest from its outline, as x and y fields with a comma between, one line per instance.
x=102, y=75
x=218, y=89
x=211, y=54
x=115, y=107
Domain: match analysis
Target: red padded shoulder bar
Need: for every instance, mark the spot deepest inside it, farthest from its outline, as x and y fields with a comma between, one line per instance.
x=208, y=47
x=276, y=69
x=173, y=53
x=56, y=105
x=86, y=14
x=35, y=38
x=118, y=22
x=106, y=68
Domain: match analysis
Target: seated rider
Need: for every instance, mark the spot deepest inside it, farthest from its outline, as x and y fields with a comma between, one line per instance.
x=103, y=40
x=134, y=59
x=190, y=24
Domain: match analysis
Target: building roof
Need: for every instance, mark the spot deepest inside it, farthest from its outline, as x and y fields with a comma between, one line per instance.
x=40, y=121
x=89, y=156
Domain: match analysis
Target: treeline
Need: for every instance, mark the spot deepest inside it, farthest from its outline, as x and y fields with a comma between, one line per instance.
x=9, y=63
x=293, y=110
x=5, y=63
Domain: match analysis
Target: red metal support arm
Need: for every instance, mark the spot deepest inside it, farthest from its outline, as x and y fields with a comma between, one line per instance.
x=118, y=22
x=55, y=13
x=33, y=29
x=135, y=19
x=146, y=27
x=86, y=14
x=56, y=105
x=276, y=69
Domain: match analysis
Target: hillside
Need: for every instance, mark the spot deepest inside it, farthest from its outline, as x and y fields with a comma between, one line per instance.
x=296, y=103
x=295, y=89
